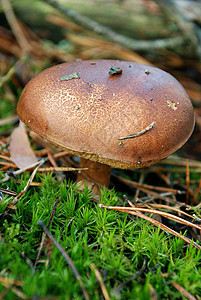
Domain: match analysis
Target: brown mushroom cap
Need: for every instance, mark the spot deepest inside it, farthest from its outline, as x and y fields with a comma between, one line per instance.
x=80, y=107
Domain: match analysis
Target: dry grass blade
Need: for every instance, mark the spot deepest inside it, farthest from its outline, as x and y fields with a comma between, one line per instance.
x=93, y=45
x=153, y=211
x=10, y=165
x=161, y=206
x=100, y=279
x=153, y=294
x=136, y=212
x=149, y=127
x=5, y=157
x=16, y=291
x=183, y=291
x=11, y=281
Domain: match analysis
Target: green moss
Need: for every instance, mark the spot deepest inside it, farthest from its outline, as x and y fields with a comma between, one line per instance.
x=116, y=245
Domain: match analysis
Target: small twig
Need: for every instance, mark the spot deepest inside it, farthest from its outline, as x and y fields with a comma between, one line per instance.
x=129, y=202
x=138, y=133
x=60, y=169
x=5, y=157
x=147, y=186
x=16, y=199
x=196, y=193
x=163, y=196
x=5, y=168
x=44, y=234
x=20, y=171
x=60, y=154
x=100, y=279
x=66, y=257
x=134, y=277
x=172, y=13
x=4, y=79
x=8, y=192
x=51, y=159
x=159, y=196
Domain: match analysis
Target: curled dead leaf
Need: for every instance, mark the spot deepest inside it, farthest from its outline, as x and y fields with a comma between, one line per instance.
x=20, y=149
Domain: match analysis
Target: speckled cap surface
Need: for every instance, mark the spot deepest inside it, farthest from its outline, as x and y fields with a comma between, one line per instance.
x=86, y=106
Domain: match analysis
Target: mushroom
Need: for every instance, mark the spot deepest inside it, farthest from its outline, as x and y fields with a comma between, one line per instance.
x=109, y=113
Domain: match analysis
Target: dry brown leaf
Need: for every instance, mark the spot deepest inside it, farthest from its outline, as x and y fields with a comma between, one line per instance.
x=20, y=150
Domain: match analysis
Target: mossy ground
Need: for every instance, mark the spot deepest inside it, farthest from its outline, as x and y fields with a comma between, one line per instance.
x=118, y=246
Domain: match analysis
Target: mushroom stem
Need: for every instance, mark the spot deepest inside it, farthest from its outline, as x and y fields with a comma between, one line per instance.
x=95, y=176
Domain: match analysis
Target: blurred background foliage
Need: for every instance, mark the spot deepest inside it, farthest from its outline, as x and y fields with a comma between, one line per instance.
x=37, y=34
